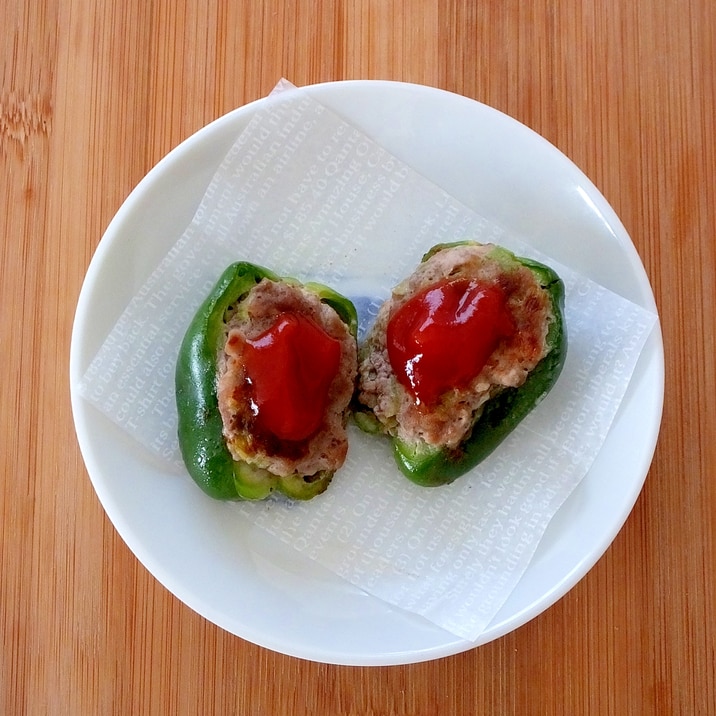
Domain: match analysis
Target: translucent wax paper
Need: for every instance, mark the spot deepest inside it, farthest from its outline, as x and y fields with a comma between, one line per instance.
x=308, y=195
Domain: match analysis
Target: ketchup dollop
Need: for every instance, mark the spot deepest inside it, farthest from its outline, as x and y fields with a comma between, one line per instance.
x=442, y=337
x=289, y=371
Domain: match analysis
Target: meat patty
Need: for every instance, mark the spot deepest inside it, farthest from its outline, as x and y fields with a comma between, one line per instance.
x=450, y=421
x=325, y=449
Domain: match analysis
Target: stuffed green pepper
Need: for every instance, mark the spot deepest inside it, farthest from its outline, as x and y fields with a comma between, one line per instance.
x=462, y=351
x=264, y=380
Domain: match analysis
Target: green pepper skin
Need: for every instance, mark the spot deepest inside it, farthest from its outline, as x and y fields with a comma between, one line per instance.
x=200, y=428
x=432, y=467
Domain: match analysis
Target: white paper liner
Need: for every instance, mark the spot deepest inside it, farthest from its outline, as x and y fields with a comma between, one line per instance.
x=308, y=195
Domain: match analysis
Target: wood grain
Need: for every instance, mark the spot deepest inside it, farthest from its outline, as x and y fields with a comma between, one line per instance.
x=94, y=94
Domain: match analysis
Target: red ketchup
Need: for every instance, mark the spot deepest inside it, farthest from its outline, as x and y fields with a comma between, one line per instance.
x=443, y=336
x=289, y=369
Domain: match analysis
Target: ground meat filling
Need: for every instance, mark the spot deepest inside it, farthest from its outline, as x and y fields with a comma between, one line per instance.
x=324, y=449
x=450, y=421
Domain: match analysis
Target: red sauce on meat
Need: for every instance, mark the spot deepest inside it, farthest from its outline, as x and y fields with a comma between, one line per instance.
x=442, y=337
x=289, y=371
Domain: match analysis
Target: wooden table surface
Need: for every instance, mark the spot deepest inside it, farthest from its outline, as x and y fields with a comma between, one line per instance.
x=94, y=94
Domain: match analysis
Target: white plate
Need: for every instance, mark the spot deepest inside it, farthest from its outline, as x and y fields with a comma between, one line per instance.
x=241, y=579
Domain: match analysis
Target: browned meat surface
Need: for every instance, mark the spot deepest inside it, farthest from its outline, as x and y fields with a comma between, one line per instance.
x=327, y=448
x=450, y=422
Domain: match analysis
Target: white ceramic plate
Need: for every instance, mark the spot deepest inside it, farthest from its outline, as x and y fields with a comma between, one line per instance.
x=241, y=579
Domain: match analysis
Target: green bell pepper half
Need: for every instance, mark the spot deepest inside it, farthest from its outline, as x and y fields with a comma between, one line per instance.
x=432, y=466
x=200, y=427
